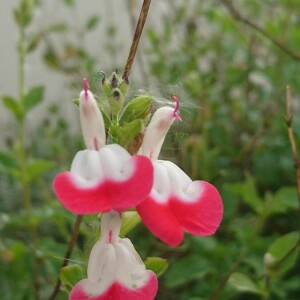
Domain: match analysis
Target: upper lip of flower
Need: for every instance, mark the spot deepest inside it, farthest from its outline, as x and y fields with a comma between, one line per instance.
x=92, y=124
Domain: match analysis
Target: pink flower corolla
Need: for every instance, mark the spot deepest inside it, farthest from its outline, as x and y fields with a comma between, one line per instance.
x=176, y=204
x=102, y=177
x=115, y=270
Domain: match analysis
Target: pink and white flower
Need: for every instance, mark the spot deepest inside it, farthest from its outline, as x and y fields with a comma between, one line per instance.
x=176, y=204
x=102, y=177
x=115, y=270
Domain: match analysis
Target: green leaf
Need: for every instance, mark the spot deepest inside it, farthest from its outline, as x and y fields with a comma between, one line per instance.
x=37, y=168
x=130, y=219
x=247, y=191
x=7, y=160
x=282, y=254
x=126, y=134
x=59, y=27
x=286, y=198
x=69, y=2
x=34, y=97
x=76, y=101
x=33, y=42
x=70, y=275
x=51, y=58
x=157, y=265
x=243, y=283
x=92, y=23
x=14, y=106
x=138, y=108
x=191, y=268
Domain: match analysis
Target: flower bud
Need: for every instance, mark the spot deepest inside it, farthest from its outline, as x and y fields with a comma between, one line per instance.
x=91, y=120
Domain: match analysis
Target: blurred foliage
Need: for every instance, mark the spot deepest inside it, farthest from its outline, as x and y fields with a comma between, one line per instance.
x=232, y=83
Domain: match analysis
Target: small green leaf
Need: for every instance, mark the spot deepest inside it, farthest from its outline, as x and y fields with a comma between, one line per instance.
x=7, y=160
x=34, y=97
x=51, y=58
x=14, y=106
x=69, y=2
x=282, y=254
x=59, y=27
x=243, y=283
x=70, y=275
x=76, y=101
x=138, y=108
x=248, y=192
x=37, y=168
x=92, y=23
x=33, y=42
x=130, y=219
x=125, y=135
x=191, y=268
x=286, y=198
x=157, y=265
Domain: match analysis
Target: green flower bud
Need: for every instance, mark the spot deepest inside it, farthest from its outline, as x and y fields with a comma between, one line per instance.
x=127, y=135
x=138, y=108
x=114, y=89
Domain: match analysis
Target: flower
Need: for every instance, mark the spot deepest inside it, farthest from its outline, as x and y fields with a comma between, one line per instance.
x=91, y=120
x=115, y=270
x=102, y=177
x=176, y=204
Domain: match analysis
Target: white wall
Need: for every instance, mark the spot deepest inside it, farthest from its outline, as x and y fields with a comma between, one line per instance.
x=52, y=11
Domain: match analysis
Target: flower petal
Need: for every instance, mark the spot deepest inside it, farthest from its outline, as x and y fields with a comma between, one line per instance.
x=182, y=206
x=156, y=132
x=115, y=271
x=91, y=120
x=118, y=291
x=109, y=180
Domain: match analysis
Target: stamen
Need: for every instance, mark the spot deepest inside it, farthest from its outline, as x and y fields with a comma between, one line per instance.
x=85, y=87
x=175, y=113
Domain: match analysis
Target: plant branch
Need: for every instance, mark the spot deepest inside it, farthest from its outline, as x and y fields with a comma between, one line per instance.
x=71, y=245
x=239, y=17
x=289, y=120
x=130, y=7
x=218, y=290
x=136, y=38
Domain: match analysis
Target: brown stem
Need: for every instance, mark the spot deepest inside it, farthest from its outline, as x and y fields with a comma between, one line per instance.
x=71, y=245
x=288, y=120
x=130, y=7
x=239, y=17
x=136, y=38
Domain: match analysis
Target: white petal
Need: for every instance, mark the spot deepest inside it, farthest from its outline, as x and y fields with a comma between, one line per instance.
x=170, y=180
x=92, y=124
x=117, y=262
x=102, y=268
x=87, y=165
x=110, y=226
x=131, y=271
x=161, y=186
x=156, y=132
x=90, y=167
x=113, y=160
